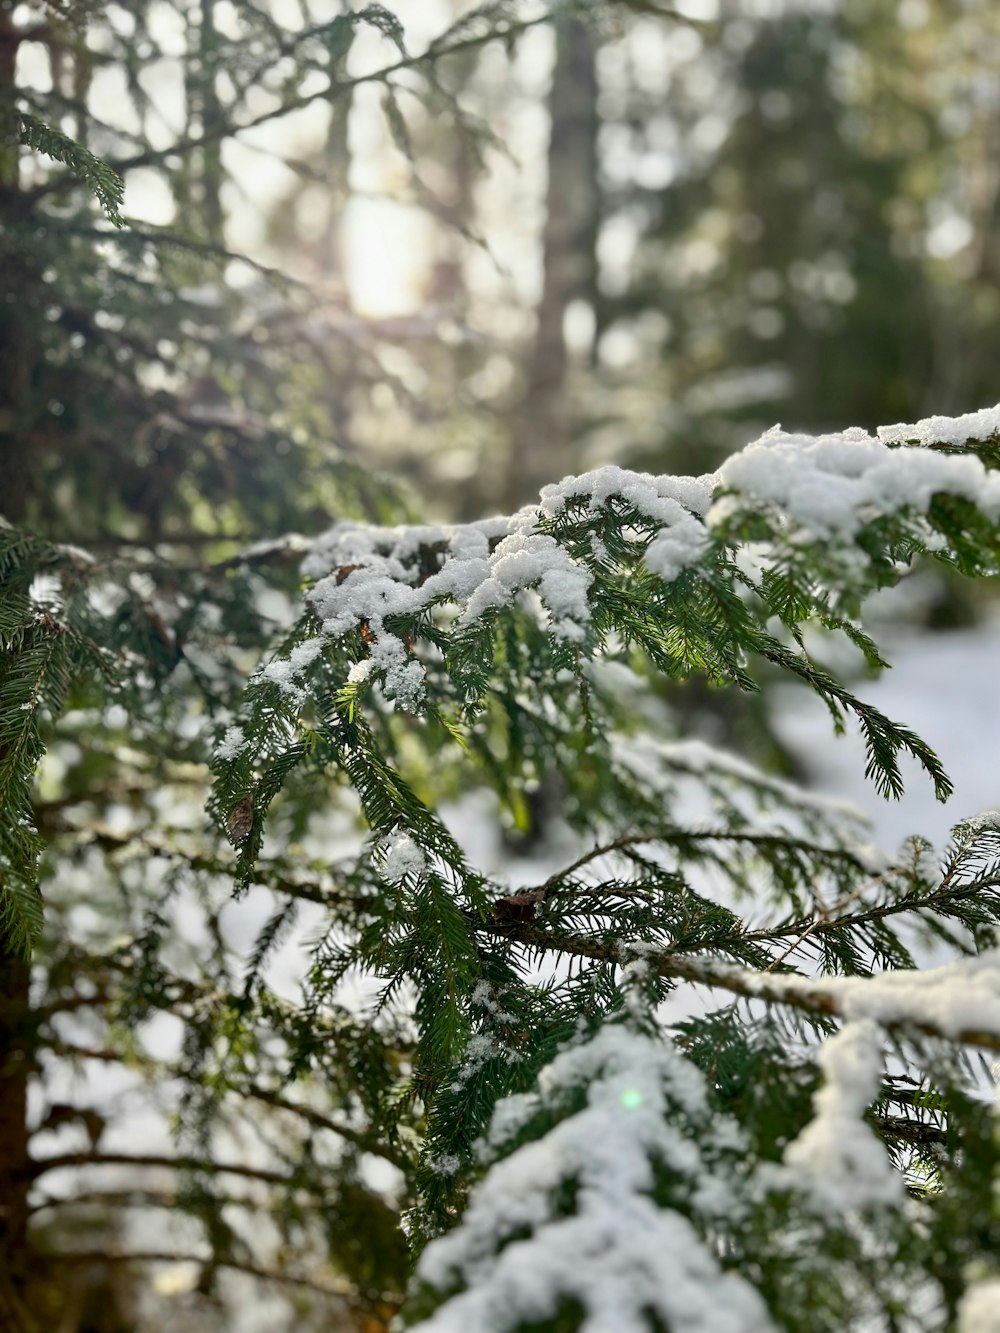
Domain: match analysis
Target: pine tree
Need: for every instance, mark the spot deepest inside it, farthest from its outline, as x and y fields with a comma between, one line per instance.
x=512, y=1104
x=505, y=646
x=160, y=410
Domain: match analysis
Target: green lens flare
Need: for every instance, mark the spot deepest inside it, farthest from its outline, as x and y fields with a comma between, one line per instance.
x=631, y=1099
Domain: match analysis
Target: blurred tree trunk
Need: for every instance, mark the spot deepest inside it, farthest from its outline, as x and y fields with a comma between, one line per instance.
x=542, y=448
x=199, y=185
x=15, y=1254
x=18, y=287
x=15, y=477
x=15, y=283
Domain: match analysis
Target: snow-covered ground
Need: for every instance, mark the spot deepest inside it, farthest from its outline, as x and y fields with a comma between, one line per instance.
x=946, y=686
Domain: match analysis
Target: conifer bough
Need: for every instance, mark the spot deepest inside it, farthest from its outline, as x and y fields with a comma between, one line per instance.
x=694, y=1077
x=631, y=1170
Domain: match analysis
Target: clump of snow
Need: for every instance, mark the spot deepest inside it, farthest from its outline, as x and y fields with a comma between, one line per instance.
x=658, y=498
x=525, y=560
x=831, y=485
x=981, y=425
x=404, y=676
x=402, y=857
x=510, y=1115
x=671, y=502
x=960, y=997
x=360, y=671
x=479, y=1049
x=959, y=1000
x=484, y=997
x=286, y=671
x=369, y=574
x=445, y=1165
x=232, y=744
x=622, y=1256
x=680, y=546
x=979, y=1309
x=838, y=1156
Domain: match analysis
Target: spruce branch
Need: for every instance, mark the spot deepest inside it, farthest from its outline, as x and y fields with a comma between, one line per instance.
x=154, y=1161
x=675, y=834
x=846, y=998
x=342, y=1291
x=102, y=179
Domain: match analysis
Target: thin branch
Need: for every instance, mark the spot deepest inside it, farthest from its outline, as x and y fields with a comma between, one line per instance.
x=340, y=1290
x=907, y=904
x=42, y=1166
x=361, y=1138
x=334, y=91
x=841, y=997
x=136, y=1198
x=106, y=839
x=706, y=835
x=910, y=1131
x=944, y=892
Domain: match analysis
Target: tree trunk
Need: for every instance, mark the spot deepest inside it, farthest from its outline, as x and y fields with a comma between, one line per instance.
x=15, y=476
x=15, y=1060
x=15, y=283
x=543, y=445
x=204, y=99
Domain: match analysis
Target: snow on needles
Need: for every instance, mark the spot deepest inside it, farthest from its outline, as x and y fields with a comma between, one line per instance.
x=621, y=1255
x=402, y=857
x=682, y=539
x=367, y=574
x=958, y=1000
x=838, y=1157
x=981, y=425
x=833, y=484
x=830, y=485
x=232, y=744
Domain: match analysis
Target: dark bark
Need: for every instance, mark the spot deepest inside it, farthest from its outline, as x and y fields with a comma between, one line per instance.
x=15, y=473
x=15, y=1062
x=204, y=106
x=15, y=291
x=543, y=447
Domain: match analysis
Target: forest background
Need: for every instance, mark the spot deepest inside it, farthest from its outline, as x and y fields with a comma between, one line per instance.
x=386, y=265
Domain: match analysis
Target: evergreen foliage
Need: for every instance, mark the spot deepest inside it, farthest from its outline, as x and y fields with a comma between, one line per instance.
x=512, y=637
x=105, y=182
x=693, y=1075
x=630, y=1165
